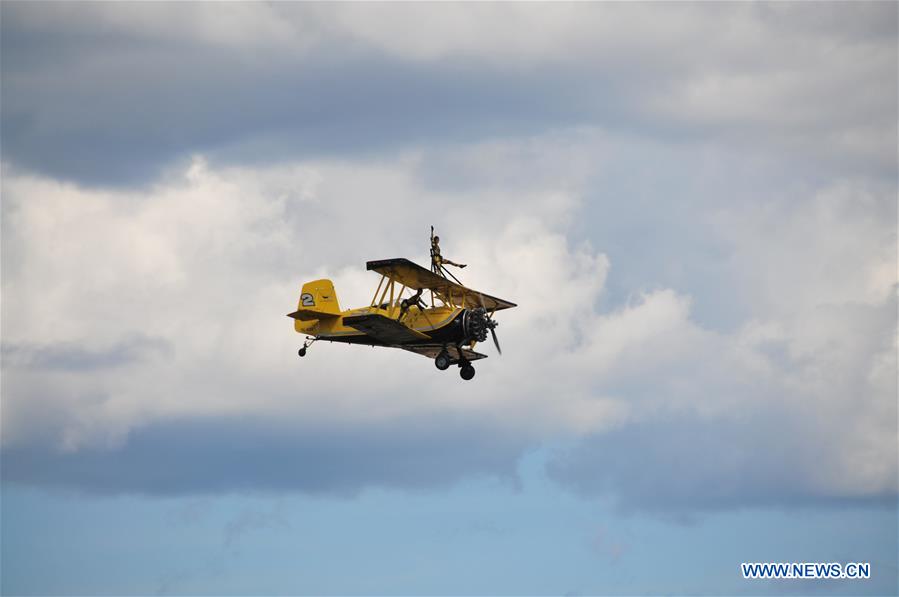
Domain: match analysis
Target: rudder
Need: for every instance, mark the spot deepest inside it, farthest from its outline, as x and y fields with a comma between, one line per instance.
x=318, y=300
x=319, y=296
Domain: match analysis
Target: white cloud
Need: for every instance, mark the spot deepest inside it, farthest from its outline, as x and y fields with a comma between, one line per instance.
x=209, y=261
x=212, y=261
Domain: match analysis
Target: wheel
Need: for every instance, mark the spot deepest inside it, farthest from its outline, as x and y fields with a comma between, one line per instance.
x=466, y=372
x=302, y=352
x=442, y=361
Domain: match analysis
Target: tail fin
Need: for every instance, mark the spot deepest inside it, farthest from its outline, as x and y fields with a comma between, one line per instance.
x=317, y=301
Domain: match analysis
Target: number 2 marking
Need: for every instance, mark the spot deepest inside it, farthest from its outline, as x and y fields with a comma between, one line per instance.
x=307, y=300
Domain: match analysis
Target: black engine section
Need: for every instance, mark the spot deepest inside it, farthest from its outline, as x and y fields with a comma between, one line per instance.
x=475, y=324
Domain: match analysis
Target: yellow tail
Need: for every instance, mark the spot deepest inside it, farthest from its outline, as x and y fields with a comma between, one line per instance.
x=317, y=301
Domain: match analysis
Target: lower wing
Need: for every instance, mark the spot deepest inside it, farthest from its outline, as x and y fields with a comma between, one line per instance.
x=432, y=350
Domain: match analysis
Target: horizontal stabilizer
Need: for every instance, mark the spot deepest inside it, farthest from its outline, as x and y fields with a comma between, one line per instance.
x=311, y=314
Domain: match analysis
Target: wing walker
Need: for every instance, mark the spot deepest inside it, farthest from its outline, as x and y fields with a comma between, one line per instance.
x=428, y=312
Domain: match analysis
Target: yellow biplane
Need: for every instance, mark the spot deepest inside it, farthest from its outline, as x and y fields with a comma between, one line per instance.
x=414, y=309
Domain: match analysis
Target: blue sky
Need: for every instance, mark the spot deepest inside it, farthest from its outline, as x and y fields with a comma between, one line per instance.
x=694, y=206
x=481, y=536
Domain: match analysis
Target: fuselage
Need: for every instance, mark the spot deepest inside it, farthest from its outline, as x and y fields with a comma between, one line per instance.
x=442, y=325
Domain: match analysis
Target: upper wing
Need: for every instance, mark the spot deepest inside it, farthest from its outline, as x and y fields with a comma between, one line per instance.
x=415, y=276
x=432, y=350
x=384, y=329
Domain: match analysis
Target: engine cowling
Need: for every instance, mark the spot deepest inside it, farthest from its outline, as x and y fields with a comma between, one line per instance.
x=475, y=324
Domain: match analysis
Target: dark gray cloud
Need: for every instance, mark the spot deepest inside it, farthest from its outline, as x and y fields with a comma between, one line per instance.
x=252, y=115
x=221, y=454
x=119, y=110
x=91, y=97
x=72, y=357
x=680, y=465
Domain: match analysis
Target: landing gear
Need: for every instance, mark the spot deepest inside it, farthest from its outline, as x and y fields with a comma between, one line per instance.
x=466, y=372
x=306, y=345
x=442, y=361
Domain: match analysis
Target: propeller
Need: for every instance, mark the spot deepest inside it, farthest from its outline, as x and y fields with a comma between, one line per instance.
x=491, y=324
x=493, y=333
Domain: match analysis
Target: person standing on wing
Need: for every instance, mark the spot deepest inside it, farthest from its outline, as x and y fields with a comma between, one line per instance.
x=437, y=260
